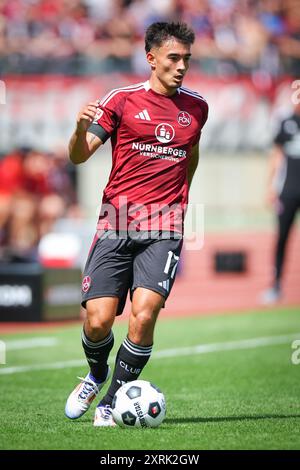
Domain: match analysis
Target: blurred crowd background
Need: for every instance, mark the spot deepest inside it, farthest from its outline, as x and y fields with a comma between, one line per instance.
x=37, y=189
x=56, y=55
x=80, y=37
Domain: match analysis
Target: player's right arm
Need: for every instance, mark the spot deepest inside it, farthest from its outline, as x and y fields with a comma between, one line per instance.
x=83, y=144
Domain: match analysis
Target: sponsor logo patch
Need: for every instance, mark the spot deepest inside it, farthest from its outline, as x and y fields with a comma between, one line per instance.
x=164, y=133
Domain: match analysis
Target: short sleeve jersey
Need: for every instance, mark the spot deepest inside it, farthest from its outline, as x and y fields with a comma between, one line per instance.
x=288, y=137
x=152, y=137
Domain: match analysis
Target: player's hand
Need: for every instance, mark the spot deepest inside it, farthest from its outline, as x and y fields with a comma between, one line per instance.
x=86, y=116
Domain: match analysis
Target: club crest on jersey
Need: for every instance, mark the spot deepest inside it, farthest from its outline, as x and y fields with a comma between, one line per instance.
x=164, y=133
x=184, y=119
x=86, y=283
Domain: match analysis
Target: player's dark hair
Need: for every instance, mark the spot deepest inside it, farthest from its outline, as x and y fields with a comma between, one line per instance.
x=157, y=33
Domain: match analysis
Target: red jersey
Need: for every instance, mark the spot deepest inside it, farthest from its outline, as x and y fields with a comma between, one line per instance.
x=152, y=137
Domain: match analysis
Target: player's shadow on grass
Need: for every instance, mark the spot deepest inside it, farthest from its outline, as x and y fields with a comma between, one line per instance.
x=221, y=419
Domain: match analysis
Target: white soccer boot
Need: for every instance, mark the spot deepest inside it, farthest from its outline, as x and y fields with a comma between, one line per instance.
x=82, y=396
x=103, y=416
x=271, y=296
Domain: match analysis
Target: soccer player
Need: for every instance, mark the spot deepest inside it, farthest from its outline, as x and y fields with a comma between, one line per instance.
x=284, y=193
x=155, y=129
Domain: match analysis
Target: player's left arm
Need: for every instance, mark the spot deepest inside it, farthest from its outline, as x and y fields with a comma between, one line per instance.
x=194, y=160
x=193, y=163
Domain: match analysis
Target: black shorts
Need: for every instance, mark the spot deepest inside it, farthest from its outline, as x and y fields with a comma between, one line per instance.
x=116, y=265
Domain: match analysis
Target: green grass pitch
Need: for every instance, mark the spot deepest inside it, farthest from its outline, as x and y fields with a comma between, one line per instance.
x=230, y=395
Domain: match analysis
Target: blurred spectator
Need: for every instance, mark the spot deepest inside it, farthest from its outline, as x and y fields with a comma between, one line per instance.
x=283, y=194
x=289, y=42
x=37, y=189
x=100, y=36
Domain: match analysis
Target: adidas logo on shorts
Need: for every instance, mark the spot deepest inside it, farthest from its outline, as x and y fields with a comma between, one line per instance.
x=165, y=285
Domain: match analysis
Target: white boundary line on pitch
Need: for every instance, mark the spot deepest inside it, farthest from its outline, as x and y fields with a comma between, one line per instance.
x=251, y=343
x=38, y=342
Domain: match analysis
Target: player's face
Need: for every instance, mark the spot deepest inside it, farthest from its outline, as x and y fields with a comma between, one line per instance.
x=170, y=62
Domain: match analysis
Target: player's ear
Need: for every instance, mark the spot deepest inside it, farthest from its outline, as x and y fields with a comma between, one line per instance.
x=151, y=59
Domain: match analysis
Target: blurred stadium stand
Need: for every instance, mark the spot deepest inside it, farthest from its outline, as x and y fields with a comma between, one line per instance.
x=80, y=37
x=55, y=55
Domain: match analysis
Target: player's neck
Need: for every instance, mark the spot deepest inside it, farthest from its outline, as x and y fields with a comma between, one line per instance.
x=157, y=86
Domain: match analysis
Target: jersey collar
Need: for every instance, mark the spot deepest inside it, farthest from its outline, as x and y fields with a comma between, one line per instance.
x=148, y=87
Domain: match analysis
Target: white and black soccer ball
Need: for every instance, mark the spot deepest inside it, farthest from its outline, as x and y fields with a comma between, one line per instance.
x=139, y=404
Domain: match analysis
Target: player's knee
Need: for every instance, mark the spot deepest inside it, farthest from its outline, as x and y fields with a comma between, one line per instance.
x=144, y=317
x=97, y=329
x=98, y=322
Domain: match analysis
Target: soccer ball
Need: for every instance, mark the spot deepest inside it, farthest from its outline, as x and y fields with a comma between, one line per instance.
x=139, y=404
